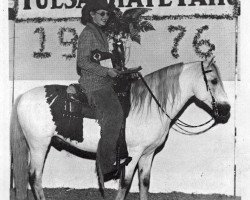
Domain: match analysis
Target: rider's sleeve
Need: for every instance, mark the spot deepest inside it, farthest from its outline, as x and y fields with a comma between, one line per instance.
x=85, y=46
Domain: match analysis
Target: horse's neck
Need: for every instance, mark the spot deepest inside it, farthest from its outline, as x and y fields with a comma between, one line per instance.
x=186, y=80
x=171, y=107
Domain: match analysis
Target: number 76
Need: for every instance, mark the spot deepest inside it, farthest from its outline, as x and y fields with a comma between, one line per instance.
x=197, y=42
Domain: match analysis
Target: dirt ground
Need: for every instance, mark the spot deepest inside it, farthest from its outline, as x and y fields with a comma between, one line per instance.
x=94, y=194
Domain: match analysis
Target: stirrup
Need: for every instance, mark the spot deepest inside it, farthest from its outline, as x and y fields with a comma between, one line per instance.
x=124, y=161
x=118, y=170
x=121, y=166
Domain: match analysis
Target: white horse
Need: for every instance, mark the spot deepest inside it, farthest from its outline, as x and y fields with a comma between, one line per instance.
x=32, y=125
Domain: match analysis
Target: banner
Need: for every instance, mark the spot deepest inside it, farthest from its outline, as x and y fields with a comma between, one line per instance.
x=185, y=30
x=72, y=8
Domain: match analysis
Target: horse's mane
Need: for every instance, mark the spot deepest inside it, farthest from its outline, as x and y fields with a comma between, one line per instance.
x=163, y=83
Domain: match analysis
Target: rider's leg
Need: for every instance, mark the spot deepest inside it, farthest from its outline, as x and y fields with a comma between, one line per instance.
x=110, y=116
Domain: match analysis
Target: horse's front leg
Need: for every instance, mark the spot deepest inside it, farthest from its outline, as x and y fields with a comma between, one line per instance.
x=144, y=170
x=129, y=173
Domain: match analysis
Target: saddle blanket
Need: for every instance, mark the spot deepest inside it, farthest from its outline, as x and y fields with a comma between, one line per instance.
x=68, y=110
x=68, y=124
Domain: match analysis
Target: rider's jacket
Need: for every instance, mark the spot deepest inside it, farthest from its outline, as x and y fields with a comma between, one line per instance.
x=93, y=75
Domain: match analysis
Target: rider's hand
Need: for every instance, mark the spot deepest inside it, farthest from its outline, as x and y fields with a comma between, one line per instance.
x=113, y=72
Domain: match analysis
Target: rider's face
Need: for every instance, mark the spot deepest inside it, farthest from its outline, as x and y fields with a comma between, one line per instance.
x=100, y=17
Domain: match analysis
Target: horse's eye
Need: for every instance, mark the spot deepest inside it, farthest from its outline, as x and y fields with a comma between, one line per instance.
x=214, y=81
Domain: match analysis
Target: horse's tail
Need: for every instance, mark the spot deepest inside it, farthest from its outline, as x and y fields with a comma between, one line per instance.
x=19, y=153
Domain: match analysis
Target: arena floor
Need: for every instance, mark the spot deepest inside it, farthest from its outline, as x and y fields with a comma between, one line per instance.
x=94, y=194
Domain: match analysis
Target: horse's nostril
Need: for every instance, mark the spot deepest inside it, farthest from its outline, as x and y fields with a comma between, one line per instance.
x=223, y=109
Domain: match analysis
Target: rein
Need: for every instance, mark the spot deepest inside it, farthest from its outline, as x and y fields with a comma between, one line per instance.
x=179, y=123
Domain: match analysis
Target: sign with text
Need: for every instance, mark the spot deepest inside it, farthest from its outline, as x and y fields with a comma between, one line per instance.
x=72, y=8
x=185, y=30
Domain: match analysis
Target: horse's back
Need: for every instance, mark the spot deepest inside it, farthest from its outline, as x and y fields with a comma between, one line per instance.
x=33, y=95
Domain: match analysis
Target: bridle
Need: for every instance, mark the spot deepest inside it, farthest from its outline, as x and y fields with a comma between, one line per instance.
x=204, y=72
x=180, y=125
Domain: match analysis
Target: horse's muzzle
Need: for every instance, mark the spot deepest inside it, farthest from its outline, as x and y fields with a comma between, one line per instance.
x=222, y=113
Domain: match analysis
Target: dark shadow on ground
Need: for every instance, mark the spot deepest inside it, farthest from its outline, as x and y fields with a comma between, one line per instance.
x=94, y=194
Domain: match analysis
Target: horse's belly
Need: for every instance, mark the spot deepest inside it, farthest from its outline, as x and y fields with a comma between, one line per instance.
x=91, y=136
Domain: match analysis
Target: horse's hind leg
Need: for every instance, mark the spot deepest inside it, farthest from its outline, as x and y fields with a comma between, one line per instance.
x=37, y=160
x=144, y=169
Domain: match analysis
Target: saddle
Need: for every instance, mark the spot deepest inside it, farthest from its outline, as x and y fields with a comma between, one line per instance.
x=77, y=102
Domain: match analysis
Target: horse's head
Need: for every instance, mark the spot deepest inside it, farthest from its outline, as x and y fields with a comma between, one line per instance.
x=209, y=89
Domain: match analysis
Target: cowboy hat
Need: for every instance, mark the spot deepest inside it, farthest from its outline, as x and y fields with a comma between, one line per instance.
x=94, y=5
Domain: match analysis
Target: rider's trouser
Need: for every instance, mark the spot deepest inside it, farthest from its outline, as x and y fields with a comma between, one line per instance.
x=110, y=117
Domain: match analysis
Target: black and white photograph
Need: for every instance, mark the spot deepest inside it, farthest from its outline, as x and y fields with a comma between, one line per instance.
x=125, y=99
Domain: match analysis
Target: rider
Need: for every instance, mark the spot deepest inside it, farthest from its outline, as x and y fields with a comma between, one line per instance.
x=96, y=81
